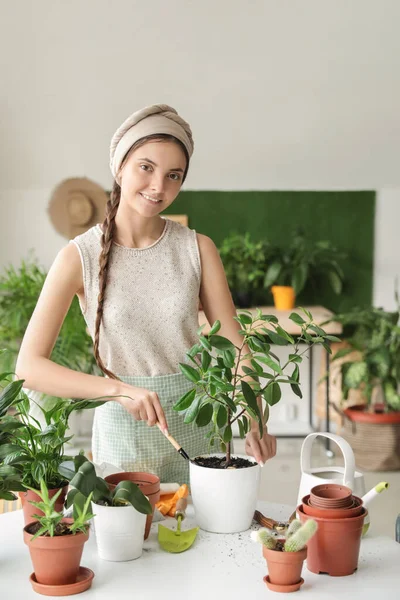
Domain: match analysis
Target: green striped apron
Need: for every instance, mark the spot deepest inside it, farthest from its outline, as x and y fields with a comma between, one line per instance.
x=134, y=446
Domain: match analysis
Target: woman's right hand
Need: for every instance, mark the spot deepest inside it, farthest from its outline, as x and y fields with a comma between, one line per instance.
x=143, y=405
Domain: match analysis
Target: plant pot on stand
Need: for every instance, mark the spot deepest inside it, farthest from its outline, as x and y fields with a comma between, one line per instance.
x=284, y=297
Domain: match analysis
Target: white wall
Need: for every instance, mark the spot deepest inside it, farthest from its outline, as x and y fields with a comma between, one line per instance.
x=280, y=95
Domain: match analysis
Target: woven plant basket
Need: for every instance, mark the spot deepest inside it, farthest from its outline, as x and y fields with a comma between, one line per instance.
x=374, y=438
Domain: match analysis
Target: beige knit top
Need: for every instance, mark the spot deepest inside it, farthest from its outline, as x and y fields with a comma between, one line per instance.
x=151, y=305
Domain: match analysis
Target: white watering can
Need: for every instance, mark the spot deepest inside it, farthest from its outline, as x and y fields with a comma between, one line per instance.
x=347, y=475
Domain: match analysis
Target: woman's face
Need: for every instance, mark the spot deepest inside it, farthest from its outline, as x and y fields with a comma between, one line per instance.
x=151, y=177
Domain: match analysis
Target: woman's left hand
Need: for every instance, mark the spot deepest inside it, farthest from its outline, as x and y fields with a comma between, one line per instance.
x=261, y=449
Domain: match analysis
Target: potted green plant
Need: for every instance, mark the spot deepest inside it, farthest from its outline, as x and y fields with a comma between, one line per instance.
x=56, y=544
x=244, y=262
x=121, y=510
x=34, y=453
x=285, y=557
x=293, y=265
x=227, y=385
x=371, y=364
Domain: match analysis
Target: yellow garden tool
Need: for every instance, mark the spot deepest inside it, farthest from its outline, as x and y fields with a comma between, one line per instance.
x=177, y=541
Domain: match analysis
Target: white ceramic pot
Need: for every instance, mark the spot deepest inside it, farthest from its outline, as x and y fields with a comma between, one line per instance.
x=119, y=532
x=224, y=500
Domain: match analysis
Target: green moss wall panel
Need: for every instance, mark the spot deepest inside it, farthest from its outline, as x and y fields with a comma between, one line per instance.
x=344, y=218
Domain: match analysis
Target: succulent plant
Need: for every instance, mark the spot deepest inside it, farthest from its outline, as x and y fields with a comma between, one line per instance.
x=264, y=537
x=293, y=527
x=299, y=538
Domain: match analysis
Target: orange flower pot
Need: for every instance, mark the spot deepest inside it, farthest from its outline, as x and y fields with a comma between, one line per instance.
x=284, y=568
x=284, y=297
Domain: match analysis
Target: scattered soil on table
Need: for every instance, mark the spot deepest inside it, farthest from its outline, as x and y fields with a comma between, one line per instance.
x=219, y=462
x=61, y=529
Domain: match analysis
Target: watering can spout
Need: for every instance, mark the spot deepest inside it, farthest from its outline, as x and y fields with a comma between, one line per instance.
x=369, y=496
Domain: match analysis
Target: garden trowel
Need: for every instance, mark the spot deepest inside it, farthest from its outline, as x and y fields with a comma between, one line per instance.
x=177, y=541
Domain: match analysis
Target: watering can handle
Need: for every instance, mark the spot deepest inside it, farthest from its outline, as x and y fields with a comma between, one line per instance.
x=348, y=455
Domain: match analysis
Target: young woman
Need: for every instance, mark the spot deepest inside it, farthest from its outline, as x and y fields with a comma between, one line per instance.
x=139, y=278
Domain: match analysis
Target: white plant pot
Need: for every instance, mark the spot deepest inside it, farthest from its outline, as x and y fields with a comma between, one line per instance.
x=224, y=500
x=119, y=532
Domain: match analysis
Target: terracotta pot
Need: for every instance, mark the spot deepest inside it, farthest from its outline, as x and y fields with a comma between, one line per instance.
x=149, y=485
x=335, y=547
x=331, y=495
x=30, y=510
x=56, y=559
x=284, y=568
x=284, y=297
x=333, y=513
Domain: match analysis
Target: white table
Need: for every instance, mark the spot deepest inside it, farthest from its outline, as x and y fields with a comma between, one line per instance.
x=216, y=567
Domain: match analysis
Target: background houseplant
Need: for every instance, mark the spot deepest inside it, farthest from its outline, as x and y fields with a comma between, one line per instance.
x=119, y=533
x=225, y=392
x=19, y=291
x=244, y=262
x=373, y=430
x=299, y=262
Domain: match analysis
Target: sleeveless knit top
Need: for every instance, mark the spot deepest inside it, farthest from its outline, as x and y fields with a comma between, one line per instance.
x=150, y=315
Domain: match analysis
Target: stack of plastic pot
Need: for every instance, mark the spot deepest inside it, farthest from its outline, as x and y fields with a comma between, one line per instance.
x=335, y=547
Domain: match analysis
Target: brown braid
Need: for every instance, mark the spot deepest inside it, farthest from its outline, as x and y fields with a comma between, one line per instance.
x=108, y=229
x=104, y=261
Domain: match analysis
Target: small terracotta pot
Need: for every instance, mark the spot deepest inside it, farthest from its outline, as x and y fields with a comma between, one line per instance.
x=56, y=559
x=284, y=568
x=149, y=485
x=284, y=297
x=333, y=513
x=30, y=510
x=335, y=547
x=331, y=495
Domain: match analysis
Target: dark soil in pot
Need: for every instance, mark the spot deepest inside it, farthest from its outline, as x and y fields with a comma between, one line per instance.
x=219, y=462
x=61, y=529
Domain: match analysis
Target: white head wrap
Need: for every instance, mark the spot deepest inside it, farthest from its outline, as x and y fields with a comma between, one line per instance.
x=158, y=118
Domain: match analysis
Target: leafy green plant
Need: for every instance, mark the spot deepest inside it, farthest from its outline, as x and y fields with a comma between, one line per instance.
x=222, y=394
x=51, y=520
x=244, y=263
x=28, y=452
x=84, y=483
x=301, y=261
x=19, y=291
x=375, y=334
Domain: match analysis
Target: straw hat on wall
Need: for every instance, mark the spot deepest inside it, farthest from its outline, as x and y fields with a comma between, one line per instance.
x=76, y=205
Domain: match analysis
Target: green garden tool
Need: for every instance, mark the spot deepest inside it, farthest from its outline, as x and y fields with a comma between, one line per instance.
x=177, y=541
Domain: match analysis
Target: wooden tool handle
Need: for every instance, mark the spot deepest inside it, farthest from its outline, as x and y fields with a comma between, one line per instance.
x=181, y=506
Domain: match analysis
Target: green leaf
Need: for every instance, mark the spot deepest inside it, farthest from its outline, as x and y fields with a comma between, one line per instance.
x=205, y=343
x=278, y=339
x=128, y=492
x=333, y=338
x=272, y=393
x=192, y=411
x=205, y=415
x=186, y=400
x=296, y=373
x=227, y=436
x=335, y=281
x=280, y=331
x=241, y=430
x=299, y=277
x=296, y=318
x=245, y=319
x=272, y=273
x=228, y=357
x=215, y=328
x=222, y=416
x=251, y=401
x=221, y=343
x=270, y=363
x=295, y=358
x=205, y=360
x=342, y=352
x=258, y=368
x=189, y=372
